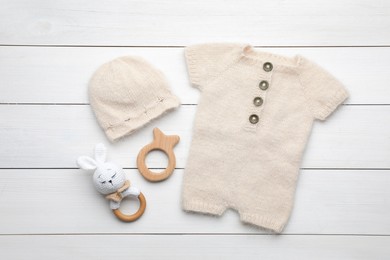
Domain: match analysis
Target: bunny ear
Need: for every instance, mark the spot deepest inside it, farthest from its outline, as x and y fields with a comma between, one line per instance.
x=100, y=153
x=86, y=163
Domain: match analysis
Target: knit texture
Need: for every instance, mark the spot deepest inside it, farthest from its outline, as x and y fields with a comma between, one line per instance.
x=252, y=167
x=117, y=195
x=127, y=93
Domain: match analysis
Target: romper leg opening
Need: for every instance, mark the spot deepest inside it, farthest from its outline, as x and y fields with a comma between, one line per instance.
x=268, y=223
x=203, y=207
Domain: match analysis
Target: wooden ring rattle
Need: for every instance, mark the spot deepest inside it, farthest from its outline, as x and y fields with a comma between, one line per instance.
x=164, y=143
x=110, y=180
x=135, y=216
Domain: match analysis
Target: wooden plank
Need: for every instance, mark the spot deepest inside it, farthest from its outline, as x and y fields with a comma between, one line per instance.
x=61, y=75
x=38, y=136
x=59, y=201
x=195, y=247
x=135, y=23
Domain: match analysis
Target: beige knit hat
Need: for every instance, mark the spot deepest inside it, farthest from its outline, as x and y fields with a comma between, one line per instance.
x=127, y=93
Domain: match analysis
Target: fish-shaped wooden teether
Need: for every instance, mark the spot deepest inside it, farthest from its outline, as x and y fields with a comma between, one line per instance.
x=163, y=143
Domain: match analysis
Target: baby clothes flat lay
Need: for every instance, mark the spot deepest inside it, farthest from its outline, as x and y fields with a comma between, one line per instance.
x=253, y=121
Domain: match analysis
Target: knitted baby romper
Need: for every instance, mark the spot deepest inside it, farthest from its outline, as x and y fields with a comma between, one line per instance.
x=253, y=121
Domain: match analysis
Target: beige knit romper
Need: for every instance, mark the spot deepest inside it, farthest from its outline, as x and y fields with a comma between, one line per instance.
x=253, y=121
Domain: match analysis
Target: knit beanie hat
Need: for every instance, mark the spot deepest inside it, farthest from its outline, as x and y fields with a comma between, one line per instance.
x=127, y=93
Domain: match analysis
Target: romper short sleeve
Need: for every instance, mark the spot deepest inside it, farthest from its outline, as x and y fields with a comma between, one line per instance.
x=323, y=92
x=207, y=61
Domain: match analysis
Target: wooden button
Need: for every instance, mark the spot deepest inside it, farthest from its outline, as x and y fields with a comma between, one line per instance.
x=264, y=85
x=254, y=119
x=267, y=66
x=257, y=101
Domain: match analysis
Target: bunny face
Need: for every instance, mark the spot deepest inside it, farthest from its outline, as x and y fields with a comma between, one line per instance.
x=108, y=178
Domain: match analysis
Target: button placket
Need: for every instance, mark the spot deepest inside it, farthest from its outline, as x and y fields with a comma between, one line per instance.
x=259, y=96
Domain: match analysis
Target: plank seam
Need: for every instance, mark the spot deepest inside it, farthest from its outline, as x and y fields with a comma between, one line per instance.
x=183, y=46
x=189, y=104
x=134, y=168
x=191, y=234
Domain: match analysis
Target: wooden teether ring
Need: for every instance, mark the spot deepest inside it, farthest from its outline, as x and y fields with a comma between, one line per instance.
x=135, y=216
x=164, y=143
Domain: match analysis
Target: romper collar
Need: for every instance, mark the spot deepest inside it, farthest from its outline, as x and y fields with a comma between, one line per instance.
x=249, y=54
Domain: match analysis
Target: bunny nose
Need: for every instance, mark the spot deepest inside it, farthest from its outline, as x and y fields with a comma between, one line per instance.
x=110, y=181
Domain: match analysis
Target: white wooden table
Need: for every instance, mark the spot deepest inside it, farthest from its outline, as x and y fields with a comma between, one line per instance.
x=49, y=208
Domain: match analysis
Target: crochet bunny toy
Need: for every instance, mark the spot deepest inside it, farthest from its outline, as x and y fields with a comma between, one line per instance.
x=110, y=180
